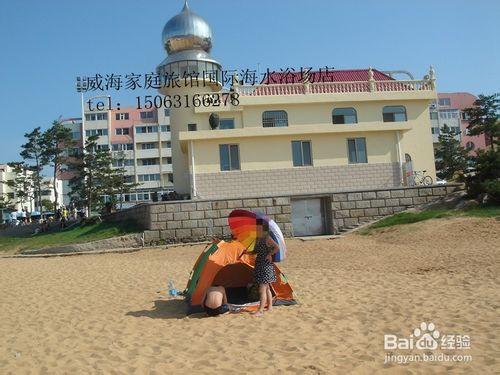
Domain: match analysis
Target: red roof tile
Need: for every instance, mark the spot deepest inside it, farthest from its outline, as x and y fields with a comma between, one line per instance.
x=351, y=75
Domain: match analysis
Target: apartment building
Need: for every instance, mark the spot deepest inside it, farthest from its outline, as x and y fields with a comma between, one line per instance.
x=448, y=110
x=140, y=143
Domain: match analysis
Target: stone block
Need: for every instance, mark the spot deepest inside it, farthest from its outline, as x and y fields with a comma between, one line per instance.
x=183, y=234
x=172, y=207
x=168, y=235
x=383, y=194
x=219, y=205
x=350, y=222
x=166, y=216
x=336, y=206
x=199, y=232
x=369, y=195
x=225, y=212
x=419, y=200
x=384, y=211
x=189, y=224
x=362, y=204
x=392, y=202
x=204, y=206
x=399, y=209
x=273, y=210
x=235, y=203
x=205, y=223
x=265, y=202
x=195, y=215
x=212, y=214
x=220, y=222
x=424, y=192
x=341, y=214
x=283, y=218
x=250, y=203
x=286, y=209
x=151, y=236
x=357, y=213
x=406, y=201
x=181, y=216
x=174, y=224
x=397, y=194
x=158, y=225
x=439, y=190
x=188, y=206
x=371, y=212
x=377, y=203
x=450, y=189
x=347, y=205
x=354, y=196
x=339, y=197
x=282, y=201
x=157, y=208
x=411, y=193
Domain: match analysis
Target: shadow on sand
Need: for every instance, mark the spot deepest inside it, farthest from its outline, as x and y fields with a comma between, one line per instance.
x=165, y=309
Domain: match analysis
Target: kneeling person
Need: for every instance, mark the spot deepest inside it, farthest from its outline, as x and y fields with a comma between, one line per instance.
x=215, y=301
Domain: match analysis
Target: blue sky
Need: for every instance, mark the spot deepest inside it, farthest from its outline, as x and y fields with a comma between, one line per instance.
x=46, y=44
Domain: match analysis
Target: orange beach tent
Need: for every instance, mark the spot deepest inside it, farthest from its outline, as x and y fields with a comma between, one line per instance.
x=222, y=265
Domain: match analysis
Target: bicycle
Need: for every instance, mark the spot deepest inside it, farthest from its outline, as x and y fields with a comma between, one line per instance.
x=420, y=178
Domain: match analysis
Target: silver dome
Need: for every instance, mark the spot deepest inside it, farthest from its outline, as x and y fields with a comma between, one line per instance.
x=187, y=31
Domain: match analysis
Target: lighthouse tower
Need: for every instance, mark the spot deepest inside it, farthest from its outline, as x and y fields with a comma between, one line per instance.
x=187, y=39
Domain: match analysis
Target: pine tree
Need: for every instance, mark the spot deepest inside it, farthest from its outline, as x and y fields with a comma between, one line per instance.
x=57, y=139
x=484, y=118
x=451, y=157
x=33, y=150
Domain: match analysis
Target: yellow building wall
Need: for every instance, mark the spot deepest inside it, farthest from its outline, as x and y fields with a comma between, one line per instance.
x=259, y=153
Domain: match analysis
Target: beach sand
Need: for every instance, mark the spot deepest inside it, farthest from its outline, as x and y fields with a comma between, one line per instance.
x=110, y=314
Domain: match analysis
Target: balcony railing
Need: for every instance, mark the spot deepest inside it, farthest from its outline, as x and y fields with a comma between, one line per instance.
x=335, y=87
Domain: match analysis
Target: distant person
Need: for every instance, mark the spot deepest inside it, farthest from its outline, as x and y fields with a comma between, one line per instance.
x=23, y=216
x=214, y=301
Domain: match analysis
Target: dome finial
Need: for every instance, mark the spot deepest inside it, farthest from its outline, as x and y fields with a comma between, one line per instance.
x=186, y=5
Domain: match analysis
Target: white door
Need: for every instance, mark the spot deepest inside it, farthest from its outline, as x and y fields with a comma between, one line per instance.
x=307, y=217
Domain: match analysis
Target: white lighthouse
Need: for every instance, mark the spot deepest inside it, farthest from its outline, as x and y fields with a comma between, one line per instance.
x=187, y=39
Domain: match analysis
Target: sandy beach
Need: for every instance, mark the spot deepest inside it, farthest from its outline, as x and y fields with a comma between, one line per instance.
x=110, y=313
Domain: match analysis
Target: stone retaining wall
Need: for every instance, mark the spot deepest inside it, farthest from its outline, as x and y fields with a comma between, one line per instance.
x=190, y=221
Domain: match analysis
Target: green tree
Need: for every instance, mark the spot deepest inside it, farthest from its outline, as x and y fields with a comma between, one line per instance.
x=21, y=184
x=32, y=151
x=484, y=118
x=451, y=157
x=6, y=203
x=95, y=177
x=47, y=204
x=57, y=139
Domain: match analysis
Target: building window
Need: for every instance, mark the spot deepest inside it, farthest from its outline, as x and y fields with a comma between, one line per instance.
x=435, y=130
x=301, y=153
x=146, y=162
x=226, y=123
x=192, y=127
x=103, y=147
x=145, y=115
x=122, y=146
x=445, y=102
x=167, y=160
x=122, y=131
x=123, y=162
x=167, y=112
x=171, y=177
x=229, y=157
x=271, y=119
x=470, y=146
x=146, y=129
x=344, y=116
x=357, y=150
x=165, y=128
x=434, y=115
x=149, y=146
x=148, y=177
x=96, y=116
x=122, y=116
x=448, y=113
x=464, y=116
x=395, y=113
x=167, y=144
x=99, y=132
